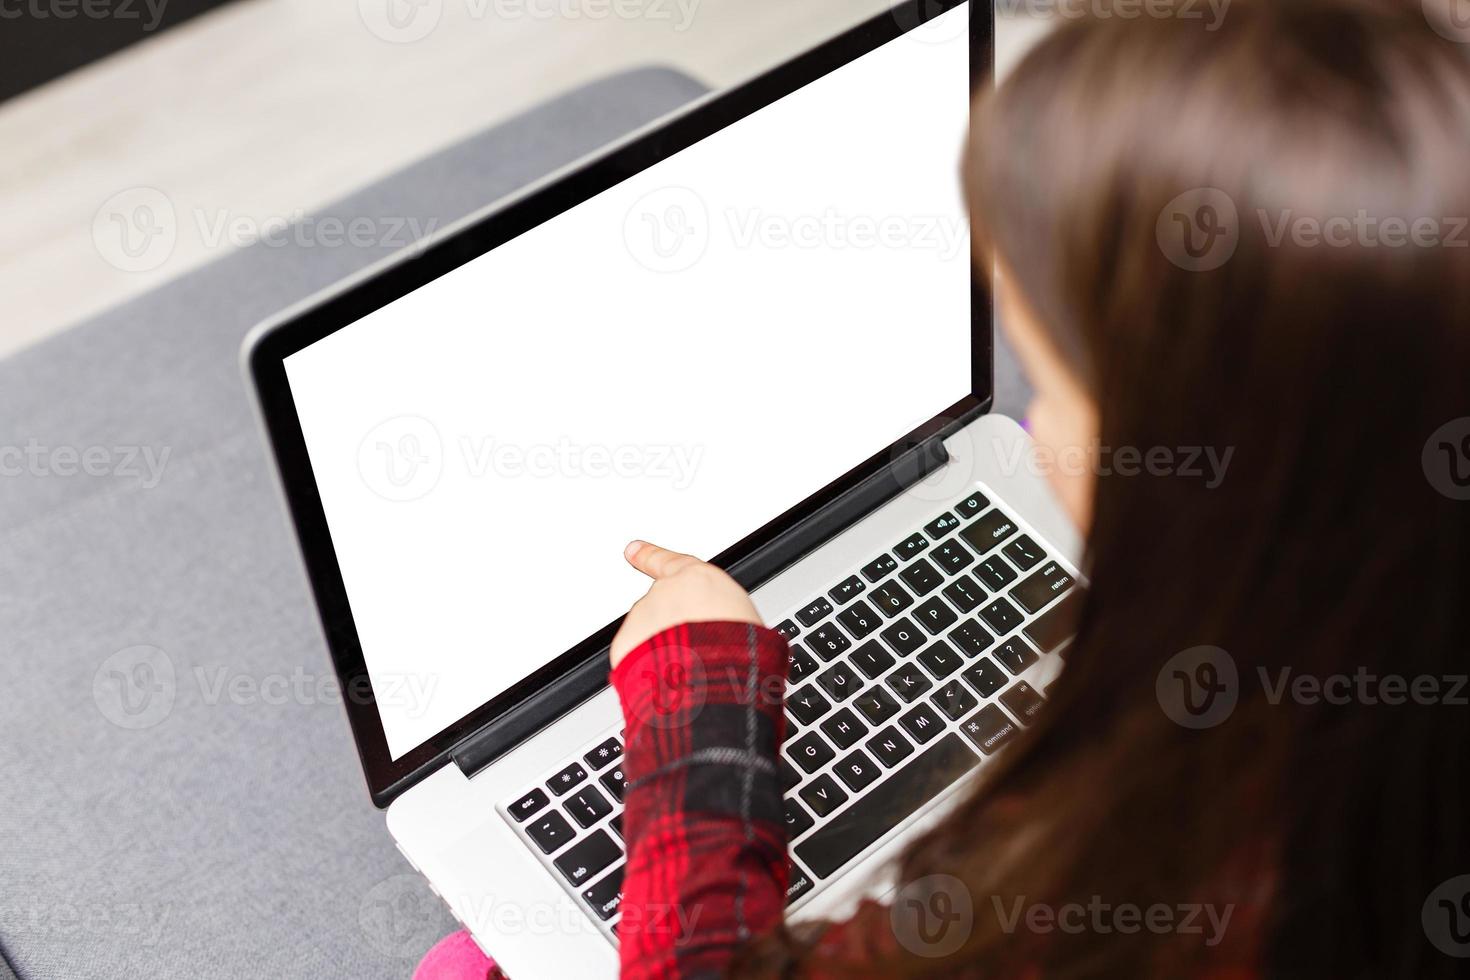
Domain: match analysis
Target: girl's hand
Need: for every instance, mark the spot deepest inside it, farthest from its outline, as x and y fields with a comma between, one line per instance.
x=684, y=590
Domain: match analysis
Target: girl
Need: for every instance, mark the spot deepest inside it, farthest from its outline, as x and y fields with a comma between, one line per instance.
x=1317, y=830
x=1250, y=240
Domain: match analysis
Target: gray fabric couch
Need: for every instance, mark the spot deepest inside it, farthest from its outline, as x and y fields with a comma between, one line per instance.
x=181, y=799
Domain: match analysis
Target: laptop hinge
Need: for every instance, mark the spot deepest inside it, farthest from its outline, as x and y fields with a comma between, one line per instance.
x=842, y=513
x=477, y=750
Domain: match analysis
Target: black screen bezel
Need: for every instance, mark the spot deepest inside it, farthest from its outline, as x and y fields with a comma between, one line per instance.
x=265, y=364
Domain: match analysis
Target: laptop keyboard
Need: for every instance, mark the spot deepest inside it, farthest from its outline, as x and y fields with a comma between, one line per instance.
x=902, y=677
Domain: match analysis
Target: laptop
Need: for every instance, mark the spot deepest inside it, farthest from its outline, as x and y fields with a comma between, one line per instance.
x=751, y=332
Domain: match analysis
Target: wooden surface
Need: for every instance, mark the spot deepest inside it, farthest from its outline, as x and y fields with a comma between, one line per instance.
x=252, y=115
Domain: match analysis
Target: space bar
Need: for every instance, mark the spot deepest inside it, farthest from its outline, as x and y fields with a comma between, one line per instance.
x=886, y=806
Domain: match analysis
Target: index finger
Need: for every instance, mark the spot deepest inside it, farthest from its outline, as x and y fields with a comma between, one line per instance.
x=656, y=562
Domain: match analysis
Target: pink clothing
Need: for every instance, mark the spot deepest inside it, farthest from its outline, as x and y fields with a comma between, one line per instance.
x=457, y=957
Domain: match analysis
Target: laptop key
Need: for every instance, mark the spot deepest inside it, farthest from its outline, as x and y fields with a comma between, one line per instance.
x=827, y=641
x=908, y=682
x=1041, y=587
x=528, y=804
x=910, y=546
x=815, y=612
x=971, y=505
x=798, y=821
x=890, y=747
x=857, y=770
x=953, y=557
x=922, y=577
x=1024, y=553
x=583, y=860
x=874, y=570
x=811, y=753
x=871, y=659
x=891, y=599
x=614, y=782
x=954, y=699
x=985, y=677
x=844, y=729
x=971, y=638
x=1053, y=627
x=840, y=681
x=616, y=823
x=1001, y=616
x=859, y=619
x=790, y=777
x=885, y=806
x=587, y=806
x=989, y=530
x=605, y=896
x=964, y=593
x=1015, y=654
x=550, y=832
x=922, y=723
x=604, y=753
x=797, y=884
x=788, y=629
x=1023, y=701
x=876, y=705
x=941, y=525
x=903, y=636
x=823, y=795
x=566, y=779
x=847, y=590
x=935, y=616
x=807, y=704
x=940, y=660
x=990, y=729
x=995, y=573
x=799, y=664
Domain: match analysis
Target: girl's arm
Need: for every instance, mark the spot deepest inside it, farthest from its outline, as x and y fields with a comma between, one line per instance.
x=702, y=684
x=705, y=834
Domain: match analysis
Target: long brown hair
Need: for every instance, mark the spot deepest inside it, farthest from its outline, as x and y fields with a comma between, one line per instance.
x=1336, y=544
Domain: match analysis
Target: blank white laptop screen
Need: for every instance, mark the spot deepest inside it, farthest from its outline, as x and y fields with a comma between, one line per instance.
x=682, y=358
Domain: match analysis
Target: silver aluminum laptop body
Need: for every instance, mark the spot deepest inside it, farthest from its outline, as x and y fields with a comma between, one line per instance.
x=448, y=800
x=455, y=830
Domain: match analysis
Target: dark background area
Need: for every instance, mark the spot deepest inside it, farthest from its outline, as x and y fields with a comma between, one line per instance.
x=35, y=49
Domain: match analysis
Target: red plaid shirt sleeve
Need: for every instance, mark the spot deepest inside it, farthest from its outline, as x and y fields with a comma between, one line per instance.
x=705, y=834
